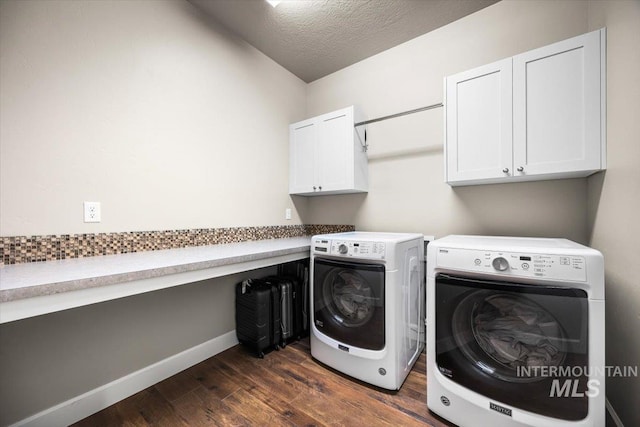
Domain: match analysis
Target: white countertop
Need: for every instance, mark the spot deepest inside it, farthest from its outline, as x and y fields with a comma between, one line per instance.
x=32, y=289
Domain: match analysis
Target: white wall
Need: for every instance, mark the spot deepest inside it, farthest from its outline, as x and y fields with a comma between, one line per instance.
x=407, y=189
x=167, y=120
x=147, y=107
x=47, y=360
x=613, y=198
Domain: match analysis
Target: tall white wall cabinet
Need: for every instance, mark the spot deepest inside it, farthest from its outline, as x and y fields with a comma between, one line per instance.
x=538, y=115
x=327, y=155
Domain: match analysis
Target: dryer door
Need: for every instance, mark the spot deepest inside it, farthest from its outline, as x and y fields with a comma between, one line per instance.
x=348, y=302
x=519, y=344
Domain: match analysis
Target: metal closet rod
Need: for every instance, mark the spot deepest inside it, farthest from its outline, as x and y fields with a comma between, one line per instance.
x=404, y=113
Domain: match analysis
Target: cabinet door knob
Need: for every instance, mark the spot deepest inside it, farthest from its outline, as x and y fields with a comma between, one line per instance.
x=521, y=168
x=314, y=188
x=505, y=170
x=320, y=188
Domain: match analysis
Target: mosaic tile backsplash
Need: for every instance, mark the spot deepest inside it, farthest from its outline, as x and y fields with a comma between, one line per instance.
x=22, y=249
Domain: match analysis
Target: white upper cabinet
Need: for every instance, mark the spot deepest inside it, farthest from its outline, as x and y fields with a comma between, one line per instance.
x=302, y=154
x=539, y=115
x=558, y=107
x=327, y=155
x=478, y=111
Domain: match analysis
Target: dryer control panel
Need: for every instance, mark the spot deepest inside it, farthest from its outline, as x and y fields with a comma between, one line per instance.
x=349, y=248
x=543, y=266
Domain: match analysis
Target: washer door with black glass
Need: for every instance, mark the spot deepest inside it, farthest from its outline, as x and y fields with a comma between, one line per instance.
x=502, y=339
x=348, y=302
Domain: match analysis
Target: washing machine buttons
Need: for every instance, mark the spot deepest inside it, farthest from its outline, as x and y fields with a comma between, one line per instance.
x=525, y=266
x=343, y=249
x=500, y=264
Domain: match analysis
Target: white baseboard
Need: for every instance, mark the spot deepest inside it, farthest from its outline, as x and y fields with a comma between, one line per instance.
x=82, y=406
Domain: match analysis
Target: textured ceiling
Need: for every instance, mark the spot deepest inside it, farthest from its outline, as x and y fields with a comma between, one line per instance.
x=313, y=38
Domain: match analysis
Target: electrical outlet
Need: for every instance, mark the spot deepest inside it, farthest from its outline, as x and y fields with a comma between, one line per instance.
x=91, y=211
x=287, y=213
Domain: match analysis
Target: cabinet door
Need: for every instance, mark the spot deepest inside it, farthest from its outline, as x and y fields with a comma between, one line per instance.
x=302, y=142
x=557, y=107
x=479, y=123
x=335, y=150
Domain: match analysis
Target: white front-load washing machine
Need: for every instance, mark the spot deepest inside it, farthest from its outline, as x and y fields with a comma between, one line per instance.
x=515, y=332
x=367, y=304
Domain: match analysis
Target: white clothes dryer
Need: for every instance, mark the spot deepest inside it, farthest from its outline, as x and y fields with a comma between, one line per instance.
x=515, y=332
x=367, y=304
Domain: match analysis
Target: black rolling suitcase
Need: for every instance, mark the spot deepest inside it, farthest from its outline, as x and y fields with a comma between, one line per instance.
x=293, y=278
x=301, y=306
x=285, y=286
x=286, y=308
x=258, y=322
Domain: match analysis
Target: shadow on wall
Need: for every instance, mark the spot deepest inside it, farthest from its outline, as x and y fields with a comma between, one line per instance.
x=610, y=231
x=620, y=337
x=595, y=184
x=529, y=209
x=200, y=16
x=333, y=209
x=301, y=205
x=408, y=153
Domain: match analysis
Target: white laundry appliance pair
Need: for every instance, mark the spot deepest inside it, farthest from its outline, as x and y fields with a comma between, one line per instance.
x=368, y=304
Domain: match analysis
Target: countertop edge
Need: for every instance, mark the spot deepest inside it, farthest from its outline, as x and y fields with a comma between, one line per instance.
x=58, y=287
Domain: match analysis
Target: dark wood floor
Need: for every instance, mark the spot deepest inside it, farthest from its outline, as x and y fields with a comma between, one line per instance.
x=287, y=387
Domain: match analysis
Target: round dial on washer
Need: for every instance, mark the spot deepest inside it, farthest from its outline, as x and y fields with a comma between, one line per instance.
x=343, y=249
x=500, y=263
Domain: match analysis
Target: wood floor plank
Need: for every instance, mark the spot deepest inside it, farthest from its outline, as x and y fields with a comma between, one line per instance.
x=374, y=400
x=157, y=411
x=300, y=351
x=314, y=395
x=351, y=399
x=407, y=400
x=200, y=407
x=288, y=410
x=177, y=386
x=297, y=352
x=129, y=409
x=264, y=372
x=287, y=387
x=109, y=417
x=210, y=375
x=333, y=412
x=274, y=393
x=245, y=403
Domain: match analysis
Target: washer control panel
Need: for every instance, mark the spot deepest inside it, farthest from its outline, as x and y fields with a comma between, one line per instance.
x=534, y=265
x=349, y=248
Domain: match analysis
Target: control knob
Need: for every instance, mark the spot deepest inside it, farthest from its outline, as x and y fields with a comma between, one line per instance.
x=343, y=249
x=500, y=264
